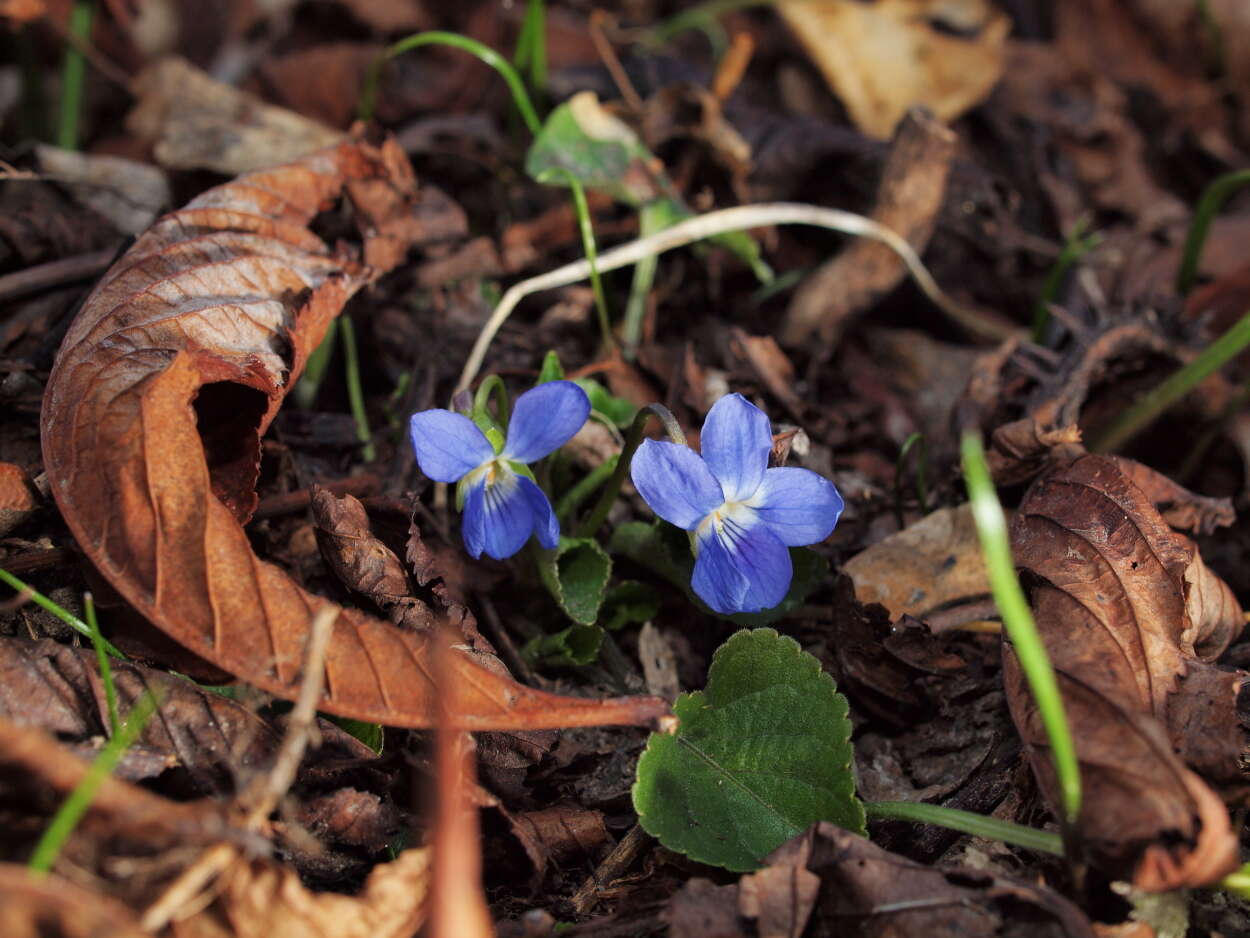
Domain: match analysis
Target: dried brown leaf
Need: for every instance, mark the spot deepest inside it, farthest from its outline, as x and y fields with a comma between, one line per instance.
x=33, y=906
x=194, y=122
x=261, y=899
x=58, y=689
x=1114, y=591
x=152, y=420
x=871, y=892
x=18, y=499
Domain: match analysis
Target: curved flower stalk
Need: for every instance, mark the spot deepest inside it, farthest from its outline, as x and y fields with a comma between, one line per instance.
x=503, y=505
x=743, y=515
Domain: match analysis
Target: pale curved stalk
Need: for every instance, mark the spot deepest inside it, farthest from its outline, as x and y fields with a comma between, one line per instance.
x=738, y=218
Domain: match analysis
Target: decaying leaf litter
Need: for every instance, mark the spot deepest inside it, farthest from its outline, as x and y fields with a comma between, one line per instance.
x=153, y=453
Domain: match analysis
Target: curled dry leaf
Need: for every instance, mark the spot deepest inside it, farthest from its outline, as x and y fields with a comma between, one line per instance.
x=33, y=906
x=872, y=892
x=1130, y=618
x=17, y=497
x=39, y=773
x=152, y=420
x=58, y=689
x=260, y=899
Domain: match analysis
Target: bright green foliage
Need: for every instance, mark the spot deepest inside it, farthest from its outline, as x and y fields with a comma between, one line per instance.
x=576, y=645
x=761, y=754
x=604, y=154
x=576, y=573
x=371, y=734
x=665, y=550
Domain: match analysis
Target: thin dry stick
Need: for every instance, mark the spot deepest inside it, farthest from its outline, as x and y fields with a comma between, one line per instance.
x=739, y=218
x=264, y=796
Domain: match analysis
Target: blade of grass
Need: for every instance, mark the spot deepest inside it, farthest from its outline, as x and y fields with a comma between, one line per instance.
x=44, y=602
x=967, y=822
x=73, y=76
x=102, y=660
x=738, y=218
x=531, y=45
x=369, y=94
x=1211, y=201
x=315, y=368
x=1018, y=623
x=355, y=394
x=71, y=812
x=915, y=441
x=589, y=246
x=1077, y=245
x=651, y=220
x=1132, y=421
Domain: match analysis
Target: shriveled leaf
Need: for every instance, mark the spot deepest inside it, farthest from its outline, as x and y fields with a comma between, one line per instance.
x=930, y=565
x=761, y=753
x=885, y=57
x=1107, y=580
x=58, y=689
x=260, y=899
x=872, y=893
x=665, y=551
x=152, y=420
x=33, y=906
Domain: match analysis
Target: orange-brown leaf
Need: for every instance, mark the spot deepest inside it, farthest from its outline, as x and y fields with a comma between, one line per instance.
x=152, y=420
x=1121, y=601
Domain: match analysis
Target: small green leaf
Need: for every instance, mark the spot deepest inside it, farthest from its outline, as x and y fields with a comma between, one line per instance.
x=665, y=550
x=763, y=752
x=371, y=734
x=576, y=645
x=616, y=409
x=629, y=603
x=603, y=153
x=576, y=573
x=552, y=370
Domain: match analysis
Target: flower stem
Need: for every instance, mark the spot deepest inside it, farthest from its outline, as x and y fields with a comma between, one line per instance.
x=633, y=439
x=355, y=393
x=573, y=498
x=493, y=384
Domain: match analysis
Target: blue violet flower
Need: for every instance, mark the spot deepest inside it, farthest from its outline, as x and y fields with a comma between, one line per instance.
x=503, y=505
x=744, y=516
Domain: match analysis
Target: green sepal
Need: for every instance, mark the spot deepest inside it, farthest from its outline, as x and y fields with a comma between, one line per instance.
x=551, y=370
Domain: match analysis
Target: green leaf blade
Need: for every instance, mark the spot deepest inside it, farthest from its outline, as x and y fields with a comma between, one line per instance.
x=760, y=755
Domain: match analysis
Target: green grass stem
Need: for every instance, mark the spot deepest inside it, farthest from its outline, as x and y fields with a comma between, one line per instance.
x=315, y=369
x=369, y=94
x=589, y=246
x=355, y=392
x=64, y=615
x=71, y=812
x=1077, y=245
x=531, y=45
x=917, y=442
x=573, y=498
x=102, y=660
x=1154, y=402
x=1209, y=205
x=73, y=75
x=652, y=219
x=633, y=439
x=1018, y=623
x=978, y=825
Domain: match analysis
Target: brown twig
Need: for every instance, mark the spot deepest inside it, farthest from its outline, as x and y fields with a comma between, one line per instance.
x=614, y=865
x=269, y=790
x=55, y=273
x=612, y=63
